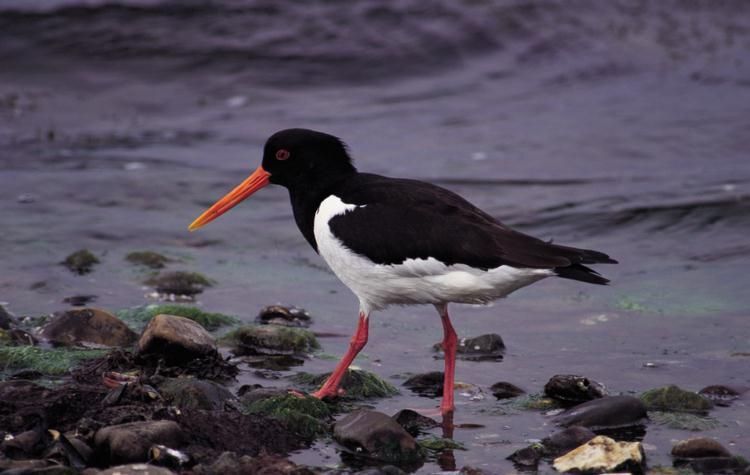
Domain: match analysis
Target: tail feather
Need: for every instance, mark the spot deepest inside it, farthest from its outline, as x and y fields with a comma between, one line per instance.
x=581, y=273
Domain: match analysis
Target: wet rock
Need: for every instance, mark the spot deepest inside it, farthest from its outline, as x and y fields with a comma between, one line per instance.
x=285, y=316
x=566, y=440
x=231, y=463
x=606, y=413
x=383, y=470
x=413, y=422
x=144, y=313
x=570, y=388
x=270, y=340
x=674, y=399
x=176, y=339
x=439, y=444
x=722, y=465
x=307, y=417
x=375, y=435
x=88, y=326
x=273, y=362
x=503, y=390
x=356, y=384
x=179, y=283
x=80, y=262
x=699, y=447
x=132, y=469
x=167, y=457
x=6, y=319
x=426, y=384
x=683, y=420
x=149, y=259
x=481, y=348
x=722, y=395
x=79, y=300
x=17, y=336
x=130, y=442
x=30, y=467
x=528, y=457
x=602, y=454
x=194, y=393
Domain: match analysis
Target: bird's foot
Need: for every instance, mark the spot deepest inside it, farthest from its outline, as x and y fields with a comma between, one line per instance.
x=328, y=393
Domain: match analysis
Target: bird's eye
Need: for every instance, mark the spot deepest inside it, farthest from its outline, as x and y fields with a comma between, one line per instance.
x=282, y=154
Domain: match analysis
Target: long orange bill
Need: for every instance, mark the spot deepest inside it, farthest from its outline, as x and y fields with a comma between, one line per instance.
x=253, y=183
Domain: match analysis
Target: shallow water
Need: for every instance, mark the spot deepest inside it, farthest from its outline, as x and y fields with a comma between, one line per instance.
x=619, y=126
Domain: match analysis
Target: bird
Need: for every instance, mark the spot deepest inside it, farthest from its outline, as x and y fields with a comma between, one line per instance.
x=397, y=241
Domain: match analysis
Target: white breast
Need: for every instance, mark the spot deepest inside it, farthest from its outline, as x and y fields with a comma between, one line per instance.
x=414, y=281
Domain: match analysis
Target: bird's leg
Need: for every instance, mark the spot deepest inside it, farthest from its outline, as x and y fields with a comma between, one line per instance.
x=359, y=340
x=449, y=348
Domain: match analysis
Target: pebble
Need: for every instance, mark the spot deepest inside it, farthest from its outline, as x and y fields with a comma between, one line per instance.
x=177, y=339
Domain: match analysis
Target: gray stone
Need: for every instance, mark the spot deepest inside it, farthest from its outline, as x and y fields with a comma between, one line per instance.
x=88, y=326
x=605, y=413
x=413, y=422
x=602, y=454
x=573, y=388
x=699, y=447
x=375, y=435
x=190, y=393
x=177, y=339
x=426, y=384
x=503, y=390
x=130, y=442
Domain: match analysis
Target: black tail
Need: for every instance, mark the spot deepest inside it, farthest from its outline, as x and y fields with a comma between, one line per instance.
x=577, y=271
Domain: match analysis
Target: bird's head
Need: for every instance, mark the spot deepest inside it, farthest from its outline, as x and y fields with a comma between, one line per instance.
x=294, y=158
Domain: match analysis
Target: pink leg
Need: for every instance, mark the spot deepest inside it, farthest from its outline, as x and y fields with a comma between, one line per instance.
x=331, y=387
x=449, y=348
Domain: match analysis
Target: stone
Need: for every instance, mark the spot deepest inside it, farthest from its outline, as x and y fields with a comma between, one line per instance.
x=487, y=347
x=504, y=390
x=602, y=454
x=270, y=340
x=88, y=326
x=6, y=319
x=674, y=399
x=528, y=457
x=413, y=422
x=194, y=393
x=227, y=462
x=570, y=388
x=130, y=442
x=611, y=412
x=377, y=436
x=426, y=384
x=722, y=465
x=133, y=469
x=566, y=440
x=80, y=262
x=285, y=316
x=306, y=416
x=179, y=283
x=176, y=339
x=699, y=447
x=142, y=314
x=356, y=384
x=150, y=259
x=722, y=395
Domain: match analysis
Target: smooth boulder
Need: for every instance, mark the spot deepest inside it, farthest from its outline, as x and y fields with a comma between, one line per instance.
x=191, y=393
x=88, y=326
x=699, y=447
x=602, y=454
x=377, y=436
x=176, y=339
x=130, y=442
x=611, y=412
x=426, y=384
x=505, y=390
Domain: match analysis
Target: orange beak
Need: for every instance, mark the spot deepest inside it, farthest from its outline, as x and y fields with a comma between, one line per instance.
x=253, y=183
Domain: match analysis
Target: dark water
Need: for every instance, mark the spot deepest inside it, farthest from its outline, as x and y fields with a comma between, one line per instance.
x=621, y=126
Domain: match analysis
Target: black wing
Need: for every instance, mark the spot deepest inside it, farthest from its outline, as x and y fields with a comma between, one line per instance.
x=415, y=220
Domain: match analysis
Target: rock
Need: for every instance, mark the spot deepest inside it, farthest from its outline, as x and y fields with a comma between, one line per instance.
x=722, y=395
x=439, y=444
x=606, y=413
x=602, y=454
x=227, y=462
x=503, y=390
x=270, y=340
x=426, y=384
x=356, y=384
x=571, y=388
x=179, y=283
x=80, y=262
x=273, y=362
x=683, y=420
x=285, y=316
x=699, y=447
x=150, y=259
x=383, y=470
x=375, y=435
x=6, y=319
x=528, y=457
x=133, y=469
x=130, y=442
x=732, y=465
x=413, y=422
x=307, y=417
x=176, y=339
x=79, y=300
x=21, y=337
x=675, y=399
x=144, y=313
x=88, y=326
x=195, y=393
x=480, y=348
x=566, y=440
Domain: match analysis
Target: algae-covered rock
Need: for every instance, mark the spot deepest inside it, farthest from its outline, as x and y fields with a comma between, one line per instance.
x=139, y=316
x=150, y=259
x=534, y=402
x=438, y=444
x=356, y=384
x=306, y=416
x=286, y=316
x=684, y=420
x=176, y=339
x=53, y=361
x=674, y=399
x=88, y=326
x=80, y=262
x=375, y=435
x=270, y=340
x=179, y=283
x=602, y=454
x=191, y=393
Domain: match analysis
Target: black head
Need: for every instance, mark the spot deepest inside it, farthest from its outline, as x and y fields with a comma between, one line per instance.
x=305, y=157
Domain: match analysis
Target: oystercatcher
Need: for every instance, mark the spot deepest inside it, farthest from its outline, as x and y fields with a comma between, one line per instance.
x=399, y=241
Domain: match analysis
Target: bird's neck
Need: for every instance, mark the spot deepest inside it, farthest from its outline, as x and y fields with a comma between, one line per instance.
x=306, y=199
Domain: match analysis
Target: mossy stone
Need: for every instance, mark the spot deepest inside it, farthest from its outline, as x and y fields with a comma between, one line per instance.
x=150, y=259
x=54, y=361
x=270, y=340
x=211, y=321
x=307, y=416
x=179, y=283
x=674, y=399
x=80, y=262
x=438, y=444
x=356, y=384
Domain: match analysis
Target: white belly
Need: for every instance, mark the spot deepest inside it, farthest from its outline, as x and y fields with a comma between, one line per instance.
x=415, y=281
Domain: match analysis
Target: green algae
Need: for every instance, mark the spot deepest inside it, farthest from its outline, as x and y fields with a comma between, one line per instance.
x=533, y=402
x=138, y=317
x=179, y=283
x=150, y=259
x=674, y=399
x=356, y=384
x=438, y=444
x=53, y=361
x=683, y=420
x=307, y=416
x=270, y=339
x=80, y=262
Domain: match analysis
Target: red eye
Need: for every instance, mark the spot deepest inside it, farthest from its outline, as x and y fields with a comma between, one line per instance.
x=282, y=154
